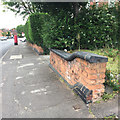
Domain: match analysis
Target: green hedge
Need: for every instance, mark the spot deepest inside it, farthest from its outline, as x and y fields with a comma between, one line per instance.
x=97, y=27
x=34, y=27
x=26, y=31
x=59, y=32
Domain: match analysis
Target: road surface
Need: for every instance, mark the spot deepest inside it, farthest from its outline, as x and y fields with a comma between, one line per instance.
x=5, y=45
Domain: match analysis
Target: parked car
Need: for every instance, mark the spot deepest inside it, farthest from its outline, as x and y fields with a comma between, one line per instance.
x=22, y=39
x=3, y=38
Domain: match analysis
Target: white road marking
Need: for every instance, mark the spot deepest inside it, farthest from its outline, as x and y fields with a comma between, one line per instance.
x=18, y=78
x=23, y=92
x=12, y=57
x=35, y=91
x=31, y=73
x=25, y=65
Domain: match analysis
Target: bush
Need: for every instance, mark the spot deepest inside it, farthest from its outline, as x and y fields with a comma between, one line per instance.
x=116, y=11
x=59, y=32
x=33, y=29
x=111, y=53
x=97, y=27
x=20, y=29
x=26, y=31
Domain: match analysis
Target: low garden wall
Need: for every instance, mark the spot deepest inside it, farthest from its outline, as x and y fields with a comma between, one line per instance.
x=84, y=72
x=38, y=49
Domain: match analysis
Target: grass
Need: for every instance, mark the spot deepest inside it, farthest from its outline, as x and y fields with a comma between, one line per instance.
x=61, y=80
x=111, y=117
x=90, y=111
x=107, y=96
x=97, y=101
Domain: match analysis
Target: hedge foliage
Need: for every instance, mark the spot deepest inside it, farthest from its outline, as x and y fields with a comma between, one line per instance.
x=26, y=31
x=33, y=29
x=96, y=27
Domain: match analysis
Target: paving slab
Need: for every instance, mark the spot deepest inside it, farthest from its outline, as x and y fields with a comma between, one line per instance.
x=106, y=108
x=32, y=90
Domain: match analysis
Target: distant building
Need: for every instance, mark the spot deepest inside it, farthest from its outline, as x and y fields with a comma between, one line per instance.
x=5, y=31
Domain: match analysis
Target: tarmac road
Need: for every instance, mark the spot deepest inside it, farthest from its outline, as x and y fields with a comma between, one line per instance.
x=5, y=45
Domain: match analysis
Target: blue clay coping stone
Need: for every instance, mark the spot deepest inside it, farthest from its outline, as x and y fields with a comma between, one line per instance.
x=90, y=57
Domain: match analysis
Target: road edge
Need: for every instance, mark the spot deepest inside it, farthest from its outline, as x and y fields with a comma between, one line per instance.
x=1, y=59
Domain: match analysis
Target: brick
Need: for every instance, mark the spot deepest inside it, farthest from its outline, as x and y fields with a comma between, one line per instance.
x=73, y=82
x=93, y=66
x=84, y=73
x=72, y=77
x=63, y=69
x=101, y=70
x=90, y=71
x=92, y=76
x=79, y=71
x=82, y=66
x=102, y=76
x=77, y=79
x=84, y=62
x=83, y=81
x=77, y=64
x=78, y=60
x=101, y=81
x=39, y=49
x=93, y=87
x=98, y=91
x=89, y=81
x=102, y=65
x=76, y=68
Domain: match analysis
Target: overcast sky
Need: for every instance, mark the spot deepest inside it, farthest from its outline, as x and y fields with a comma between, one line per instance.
x=8, y=19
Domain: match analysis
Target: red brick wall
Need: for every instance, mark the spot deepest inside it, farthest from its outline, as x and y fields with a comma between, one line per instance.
x=38, y=48
x=91, y=75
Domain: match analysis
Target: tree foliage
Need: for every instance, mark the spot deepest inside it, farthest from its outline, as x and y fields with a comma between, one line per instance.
x=97, y=28
x=26, y=8
x=4, y=33
x=8, y=33
x=20, y=29
x=22, y=8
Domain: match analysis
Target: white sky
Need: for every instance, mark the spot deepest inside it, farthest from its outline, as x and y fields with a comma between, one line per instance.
x=8, y=19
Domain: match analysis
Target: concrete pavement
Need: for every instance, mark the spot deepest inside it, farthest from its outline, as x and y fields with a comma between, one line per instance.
x=31, y=89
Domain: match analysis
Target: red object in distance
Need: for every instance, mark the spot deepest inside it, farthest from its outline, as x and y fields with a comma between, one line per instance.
x=15, y=40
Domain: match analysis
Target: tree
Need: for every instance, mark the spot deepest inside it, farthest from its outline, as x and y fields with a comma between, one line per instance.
x=26, y=8
x=8, y=33
x=21, y=7
x=4, y=34
x=20, y=29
